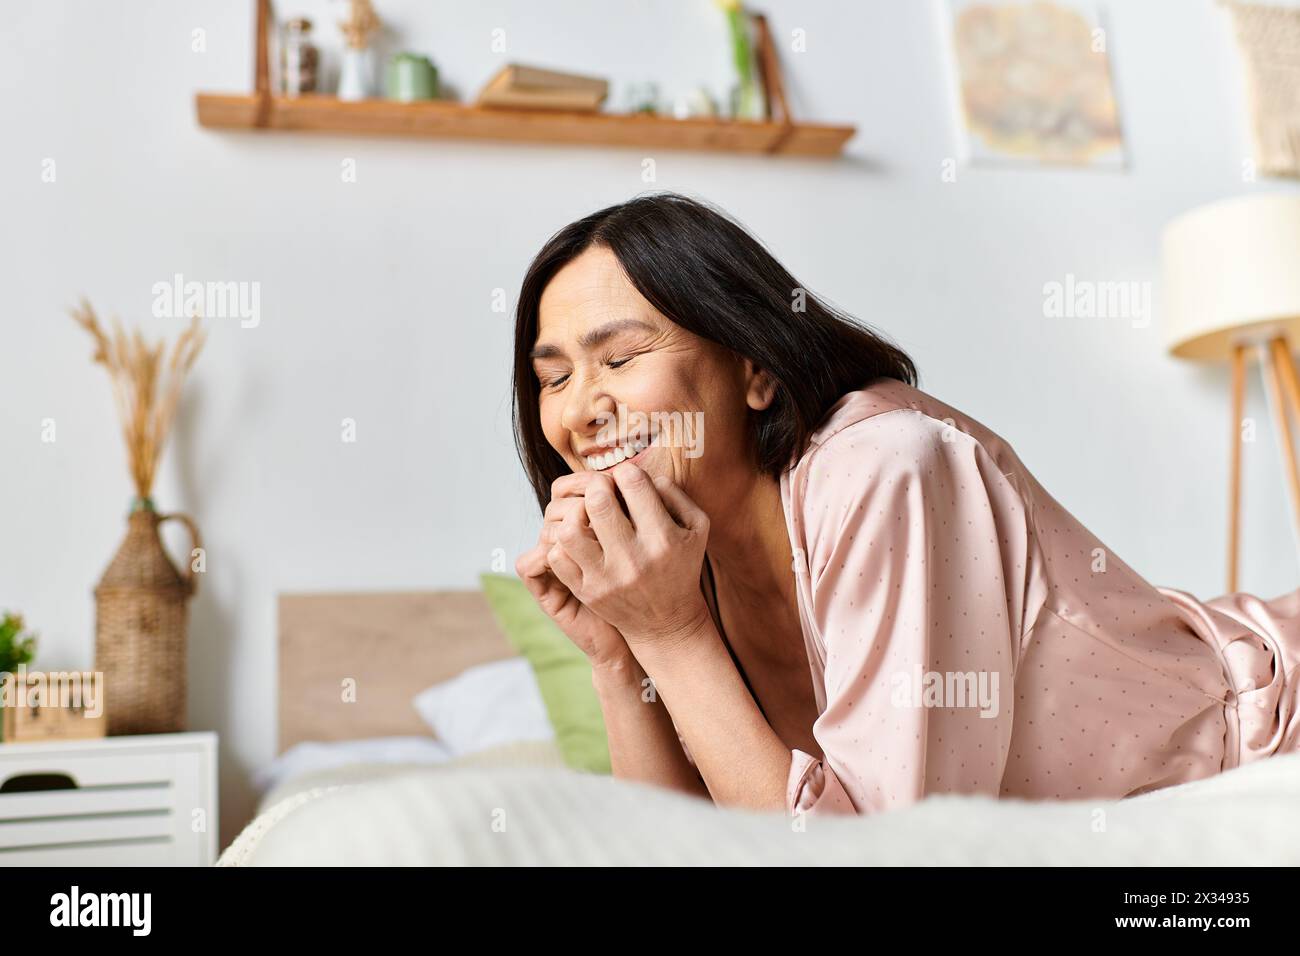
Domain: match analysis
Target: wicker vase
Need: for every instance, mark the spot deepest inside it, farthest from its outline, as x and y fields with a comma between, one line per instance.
x=140, y=624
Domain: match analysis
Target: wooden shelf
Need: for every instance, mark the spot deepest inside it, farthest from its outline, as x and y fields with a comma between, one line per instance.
x=438, y=119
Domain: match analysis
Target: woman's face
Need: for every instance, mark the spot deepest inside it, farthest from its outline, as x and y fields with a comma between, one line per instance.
x=614, y=372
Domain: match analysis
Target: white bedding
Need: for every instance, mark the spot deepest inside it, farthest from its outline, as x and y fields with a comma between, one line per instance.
x=317, y=766
x=530, y=815
x=321, y=763
x=491, y=713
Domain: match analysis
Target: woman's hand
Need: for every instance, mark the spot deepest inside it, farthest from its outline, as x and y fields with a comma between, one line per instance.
x=601, y=642
x=639, y=571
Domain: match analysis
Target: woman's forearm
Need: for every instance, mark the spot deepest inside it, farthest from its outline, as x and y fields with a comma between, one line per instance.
x=643, y=744
x=743, y=761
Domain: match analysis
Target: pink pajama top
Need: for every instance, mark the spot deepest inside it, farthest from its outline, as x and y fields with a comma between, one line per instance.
x=966, y=634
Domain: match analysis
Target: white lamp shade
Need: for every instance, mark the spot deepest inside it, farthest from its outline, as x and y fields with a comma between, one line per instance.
x=1232, y=276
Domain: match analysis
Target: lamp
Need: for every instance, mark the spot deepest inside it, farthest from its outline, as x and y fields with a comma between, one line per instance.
x=1231, y=288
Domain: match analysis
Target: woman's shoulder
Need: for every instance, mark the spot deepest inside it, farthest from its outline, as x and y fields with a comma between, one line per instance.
x=893, y=415
x=885, y=411
x=889, y=435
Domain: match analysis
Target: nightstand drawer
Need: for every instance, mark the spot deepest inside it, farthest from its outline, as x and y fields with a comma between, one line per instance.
x=107, y=770
x=88, y=828
x=125, y=853
x=103, y=799
x=121, y=801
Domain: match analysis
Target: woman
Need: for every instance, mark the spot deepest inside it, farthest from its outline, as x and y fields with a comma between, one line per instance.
x=843, y=595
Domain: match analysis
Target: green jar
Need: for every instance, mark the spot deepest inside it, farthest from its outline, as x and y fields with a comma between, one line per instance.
x=412, y=77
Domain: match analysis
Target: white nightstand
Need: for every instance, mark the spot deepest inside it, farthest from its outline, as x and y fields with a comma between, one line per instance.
x=148, y=800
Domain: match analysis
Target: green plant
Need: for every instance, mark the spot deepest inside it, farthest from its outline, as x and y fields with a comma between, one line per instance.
x=16, y=646
x=748, y=104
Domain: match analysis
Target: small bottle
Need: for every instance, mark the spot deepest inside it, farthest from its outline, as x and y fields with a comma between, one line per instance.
x=299, y=59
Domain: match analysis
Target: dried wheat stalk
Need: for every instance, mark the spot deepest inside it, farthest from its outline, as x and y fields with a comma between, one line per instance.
x=361, y=24
x=146, y=387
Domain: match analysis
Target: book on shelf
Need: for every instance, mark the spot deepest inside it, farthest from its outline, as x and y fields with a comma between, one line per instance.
x=529, y=87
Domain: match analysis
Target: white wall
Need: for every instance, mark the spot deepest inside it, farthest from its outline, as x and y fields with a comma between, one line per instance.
x=376, y=297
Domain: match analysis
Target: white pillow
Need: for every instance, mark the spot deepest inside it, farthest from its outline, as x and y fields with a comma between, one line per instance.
x=486, y=706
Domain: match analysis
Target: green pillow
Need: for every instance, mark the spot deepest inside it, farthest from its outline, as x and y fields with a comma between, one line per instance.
x=563, y=673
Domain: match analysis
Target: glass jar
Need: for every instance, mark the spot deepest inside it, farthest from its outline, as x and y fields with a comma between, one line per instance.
x=299, y=58
x=642, y=97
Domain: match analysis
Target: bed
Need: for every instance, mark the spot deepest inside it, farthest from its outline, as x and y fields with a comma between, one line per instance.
x=349, y=667
x=517, y=804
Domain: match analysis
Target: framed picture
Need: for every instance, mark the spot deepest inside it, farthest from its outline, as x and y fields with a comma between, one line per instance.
x=1032, y=83
x=1269, y=40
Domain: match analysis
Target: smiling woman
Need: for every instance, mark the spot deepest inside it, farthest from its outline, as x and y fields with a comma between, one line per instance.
x=753, y=605
x=666, y=255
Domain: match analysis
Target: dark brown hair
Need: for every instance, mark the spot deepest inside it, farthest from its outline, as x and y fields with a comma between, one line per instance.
x=708, y=275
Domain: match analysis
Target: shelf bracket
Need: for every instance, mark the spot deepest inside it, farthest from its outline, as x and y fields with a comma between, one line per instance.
x=262, y=63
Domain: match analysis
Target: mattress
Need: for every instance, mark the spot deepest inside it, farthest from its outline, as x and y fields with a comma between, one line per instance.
x=485, y=816
x=348, y=763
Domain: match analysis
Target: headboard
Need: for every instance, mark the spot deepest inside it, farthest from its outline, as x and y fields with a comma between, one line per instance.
x=390, y=647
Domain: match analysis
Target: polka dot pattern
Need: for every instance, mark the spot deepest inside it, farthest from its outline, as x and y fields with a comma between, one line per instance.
x=968, y=635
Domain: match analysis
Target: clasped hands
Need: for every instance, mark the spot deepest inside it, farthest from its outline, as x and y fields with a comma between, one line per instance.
x=601, y=573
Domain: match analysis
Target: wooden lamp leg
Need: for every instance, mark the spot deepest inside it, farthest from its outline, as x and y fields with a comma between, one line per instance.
x=1285, y=393
x=1234, y=475
x=1285, y=366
